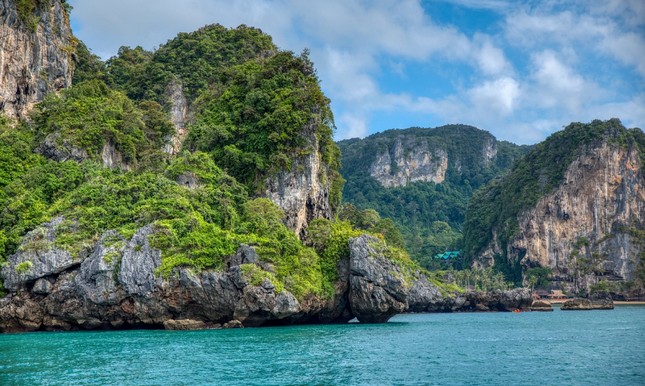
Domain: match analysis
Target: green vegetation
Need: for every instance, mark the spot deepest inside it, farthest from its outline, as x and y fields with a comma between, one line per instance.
x=90, y=115
x=538, y=277
x=24, y=267
x=370, y=221
x=200, y=59
x=255, y=275
x=330, y=239
x=480, y=279
x=257, y=111
x=255, y=126
x=88, y=65
x=429, y=215
x=26, y=12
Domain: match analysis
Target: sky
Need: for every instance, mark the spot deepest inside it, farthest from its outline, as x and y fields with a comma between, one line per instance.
x=518, y=69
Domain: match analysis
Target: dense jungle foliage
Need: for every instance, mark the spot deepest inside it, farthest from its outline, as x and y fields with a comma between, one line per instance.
x=255, y=111
x=429, y=215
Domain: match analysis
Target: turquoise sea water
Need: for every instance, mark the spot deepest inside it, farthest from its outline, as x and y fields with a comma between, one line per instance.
x=557, y=348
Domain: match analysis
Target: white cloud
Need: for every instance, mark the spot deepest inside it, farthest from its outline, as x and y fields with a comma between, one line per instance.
x=527, y=76
x=354, y=126
x=499, y=95
x=556, y=84
x=491, y=59
x=579, y=32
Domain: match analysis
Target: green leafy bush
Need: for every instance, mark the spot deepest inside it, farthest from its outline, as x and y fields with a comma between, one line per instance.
x=24, y=267
x=90, y=115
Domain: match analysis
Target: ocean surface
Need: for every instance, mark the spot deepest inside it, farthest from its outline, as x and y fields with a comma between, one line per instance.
x=556, y=348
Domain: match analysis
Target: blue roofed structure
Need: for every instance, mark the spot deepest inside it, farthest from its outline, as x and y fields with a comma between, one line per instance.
x=447, y=255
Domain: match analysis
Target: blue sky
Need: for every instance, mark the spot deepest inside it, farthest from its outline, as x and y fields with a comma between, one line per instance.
x=519, y=69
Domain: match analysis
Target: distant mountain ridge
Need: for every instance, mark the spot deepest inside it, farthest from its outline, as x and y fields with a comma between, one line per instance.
x=422, y=178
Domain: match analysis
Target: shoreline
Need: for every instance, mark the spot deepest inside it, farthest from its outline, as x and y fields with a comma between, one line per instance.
x=616, y=302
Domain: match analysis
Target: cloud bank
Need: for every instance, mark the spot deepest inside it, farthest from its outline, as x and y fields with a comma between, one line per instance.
x=521, y=73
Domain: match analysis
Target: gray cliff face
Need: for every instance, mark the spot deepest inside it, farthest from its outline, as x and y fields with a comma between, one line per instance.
x=58, y=149
x=178, y=116
x=411, y=159
x=33, y=61
x=53, y=147
x=303, y=191
x=112, y=158
x=415, y=162
x=582, y=229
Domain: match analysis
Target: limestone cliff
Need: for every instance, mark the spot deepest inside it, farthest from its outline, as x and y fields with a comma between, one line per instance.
x=422, y=179
x=588, y=227
x=178, y=116
x=400, y=157
x=583, y=229
x=417, y=163
x=303, y=192
x=36, y=47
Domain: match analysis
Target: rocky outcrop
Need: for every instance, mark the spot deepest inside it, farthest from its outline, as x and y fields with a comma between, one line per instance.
x=402, y=165
x=577, y=304
x=377, y=287
x=117, y=285
x=541, y=305
x=35, y=53
x=602, y=301
x=594, y=303
x=472, y=301
x=381, y=288
x=185, y=324
x=58, y=149
x=38, y=257
x=112, y=157
x=303, y=191
x=178, y=117
x=585, y=229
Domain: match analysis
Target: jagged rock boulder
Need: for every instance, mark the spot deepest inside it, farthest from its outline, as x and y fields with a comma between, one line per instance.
x=511, y=300
x=377, y=288
x=58, y=149
x=426, y=297
x=259, y=304
x=577, y=304
x=602, y=301
x=245, y=255
x=184, y=324
x=139, y=264
x=541, y=305
x=37, y=257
